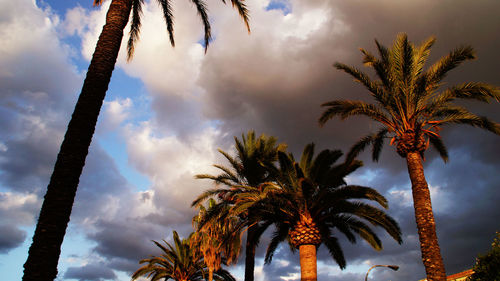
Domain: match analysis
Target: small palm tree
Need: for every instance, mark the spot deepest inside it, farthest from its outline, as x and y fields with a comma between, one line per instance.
x=216, y=240
x=250, y=167
x=178, y=262
x=58, y=201
x=412, y=110
x=310, y=204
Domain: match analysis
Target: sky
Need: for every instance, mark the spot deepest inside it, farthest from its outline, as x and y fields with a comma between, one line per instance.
x=168, y=111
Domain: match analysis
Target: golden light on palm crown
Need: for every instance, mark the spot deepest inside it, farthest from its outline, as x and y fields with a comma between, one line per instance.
x=305, y=232
x=408, y=103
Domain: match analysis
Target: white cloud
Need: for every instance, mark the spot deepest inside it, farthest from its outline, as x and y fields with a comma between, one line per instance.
x=171, y=163
x=18, y=208
x=115, y=113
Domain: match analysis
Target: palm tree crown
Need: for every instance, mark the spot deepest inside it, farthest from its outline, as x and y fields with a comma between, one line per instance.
x=178, y=262
x=408, y=104
x=310, y=202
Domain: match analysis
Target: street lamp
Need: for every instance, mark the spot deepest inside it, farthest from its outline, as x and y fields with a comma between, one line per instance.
x=393, y=267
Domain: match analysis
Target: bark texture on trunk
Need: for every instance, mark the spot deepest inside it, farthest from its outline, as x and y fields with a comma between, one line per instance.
x=308, y=271
x=250, y=254
x=44, y=252
x=431, y=254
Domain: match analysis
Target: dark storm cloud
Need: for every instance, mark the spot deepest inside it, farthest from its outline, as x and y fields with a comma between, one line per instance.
x=90, y=272
x=10, y=238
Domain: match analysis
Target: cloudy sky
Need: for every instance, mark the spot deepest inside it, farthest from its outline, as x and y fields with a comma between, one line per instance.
x=168, y=111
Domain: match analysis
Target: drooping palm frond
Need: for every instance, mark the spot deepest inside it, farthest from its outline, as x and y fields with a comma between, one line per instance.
x=167, y=10
x=333, y=246
x=438, y=144
x=201, y=7
x=135, y=27
x=374, y=139
x=168, y=15
x=278, y=236
x=242, y=10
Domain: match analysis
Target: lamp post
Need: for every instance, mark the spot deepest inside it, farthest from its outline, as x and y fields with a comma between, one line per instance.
x=393, y=267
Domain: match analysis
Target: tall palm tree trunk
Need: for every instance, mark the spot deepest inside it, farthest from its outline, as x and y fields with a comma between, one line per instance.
x=250, y=253
x=44, y=252
x=431, y=255
x=308, y=271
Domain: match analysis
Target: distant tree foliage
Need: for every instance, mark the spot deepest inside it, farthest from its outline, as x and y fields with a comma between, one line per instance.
x=487, y=267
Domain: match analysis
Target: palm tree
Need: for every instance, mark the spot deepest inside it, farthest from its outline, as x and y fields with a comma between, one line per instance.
x=216, y=240
x=178, y=262
x=58, y=201
x=250, y=167
x=412, y=109
x=310, y=204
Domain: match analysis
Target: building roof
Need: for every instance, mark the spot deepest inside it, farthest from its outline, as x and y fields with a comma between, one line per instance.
x=465, y=273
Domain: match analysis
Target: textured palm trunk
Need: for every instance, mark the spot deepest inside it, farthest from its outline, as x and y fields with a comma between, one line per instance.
x=44, y=252
x=250, y=254
x=431, y=255
x=308, y=270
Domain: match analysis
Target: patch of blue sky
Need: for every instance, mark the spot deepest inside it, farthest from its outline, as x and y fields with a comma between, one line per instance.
x=61, y=6
x=75, y=250
x=115, y=147
x=202, y=41
x=283, y=5
x=11, y=263
x=122, y=87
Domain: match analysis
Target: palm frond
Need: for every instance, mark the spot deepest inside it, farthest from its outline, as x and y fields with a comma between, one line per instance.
x=201, y=7
x=168, y=15
x=378, y=143
x=333, y=246
x=471, y=90
x=364, y=79
x=135, y=27
x=242, y=10
x=438, y=144
x=278, y=236
x=438, y=71
x=347, y=108
x=374, y=139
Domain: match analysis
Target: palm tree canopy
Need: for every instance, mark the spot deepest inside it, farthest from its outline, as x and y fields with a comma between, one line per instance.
x=168, y=15
x=177, y=262
x=253, y=165
x=408, y=101
x=314, y=190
